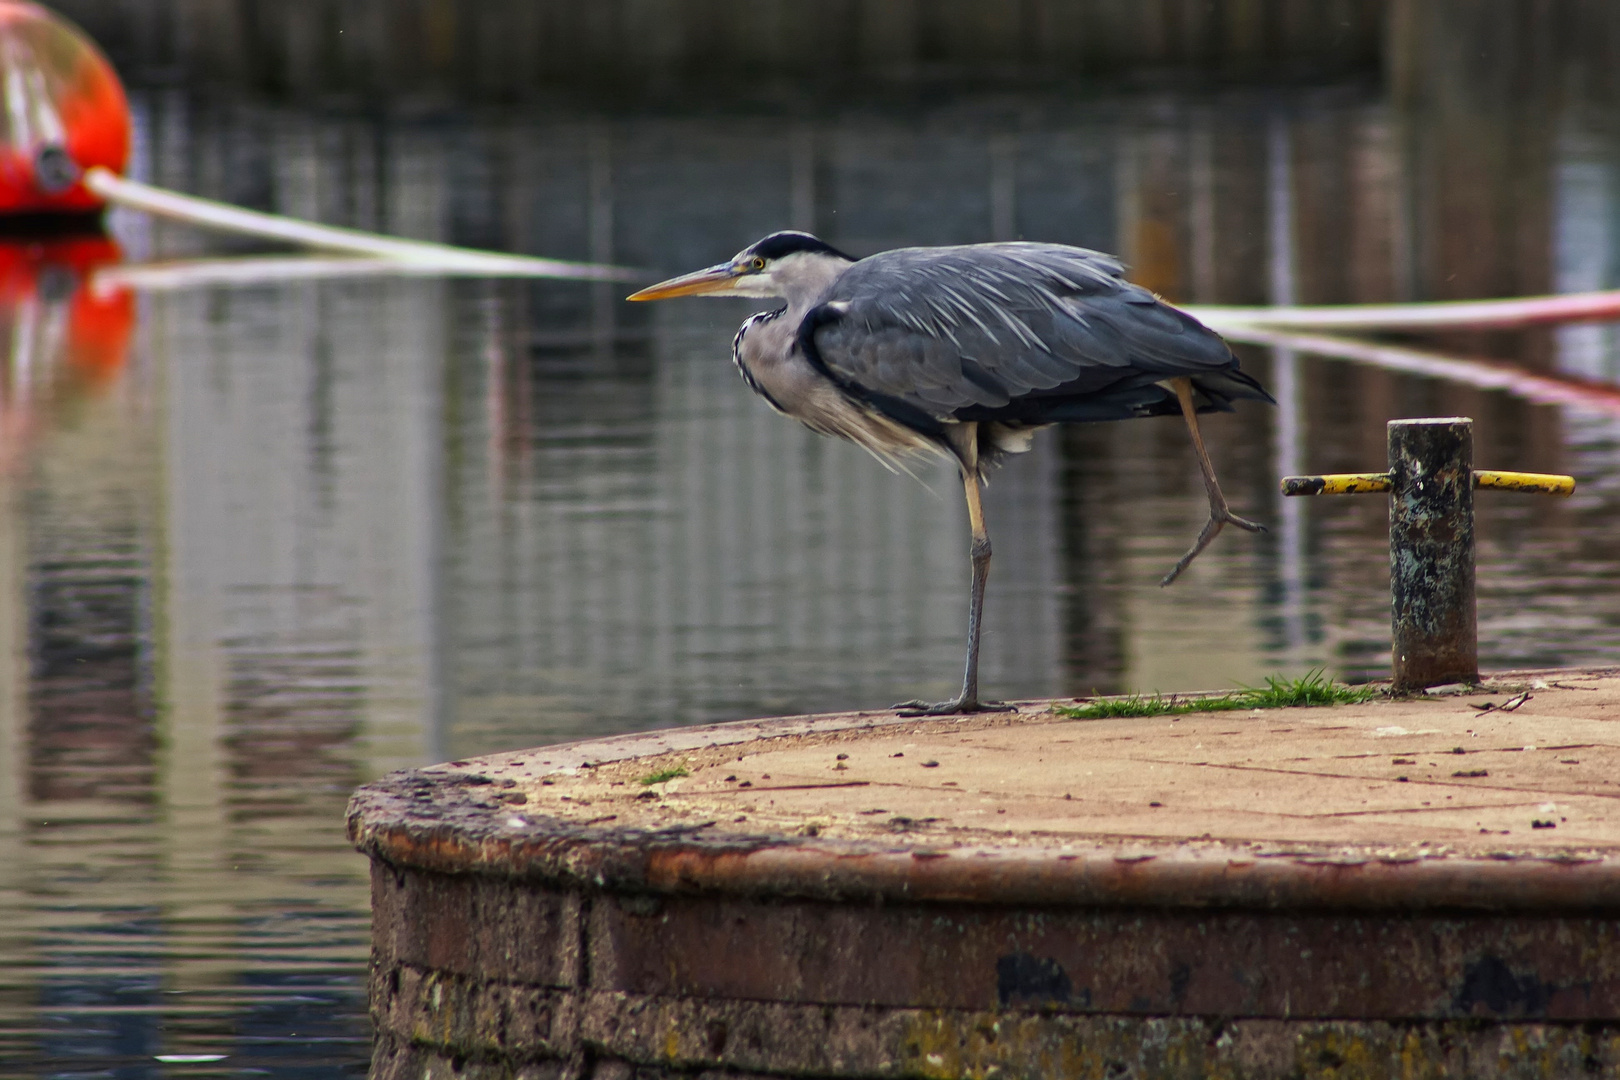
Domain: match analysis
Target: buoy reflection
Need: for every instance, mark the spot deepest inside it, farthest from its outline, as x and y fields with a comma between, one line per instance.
x=60, y=338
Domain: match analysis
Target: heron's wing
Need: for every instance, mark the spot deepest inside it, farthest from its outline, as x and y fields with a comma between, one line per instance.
x=1014, y=331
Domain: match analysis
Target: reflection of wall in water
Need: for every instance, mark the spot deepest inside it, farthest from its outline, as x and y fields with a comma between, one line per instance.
x=134, y=887
x=304, y=443
x=91, y=707
x=76, y=834
x=1586, y=212
x=305, y=440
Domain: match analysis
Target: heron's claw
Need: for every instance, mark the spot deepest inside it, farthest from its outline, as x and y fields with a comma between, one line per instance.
x=1218, y=519
x=947, y=708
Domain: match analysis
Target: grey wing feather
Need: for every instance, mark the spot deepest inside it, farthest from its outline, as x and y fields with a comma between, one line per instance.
x=959, y=331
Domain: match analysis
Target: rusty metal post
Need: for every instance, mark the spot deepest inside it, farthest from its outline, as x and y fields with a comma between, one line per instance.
x=1431, y=552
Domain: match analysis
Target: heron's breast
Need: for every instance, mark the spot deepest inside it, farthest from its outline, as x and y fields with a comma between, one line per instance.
x=778, y=371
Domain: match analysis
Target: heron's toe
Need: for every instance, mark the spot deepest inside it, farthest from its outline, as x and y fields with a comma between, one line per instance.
x=1244, y=523
x=955, y=707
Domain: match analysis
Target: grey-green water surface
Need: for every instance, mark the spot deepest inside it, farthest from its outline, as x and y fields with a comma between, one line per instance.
x=295, y=535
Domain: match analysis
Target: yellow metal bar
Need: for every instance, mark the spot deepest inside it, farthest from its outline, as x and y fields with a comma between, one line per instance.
x=1336, y=484
x=1373, y=483
x=1544, y=483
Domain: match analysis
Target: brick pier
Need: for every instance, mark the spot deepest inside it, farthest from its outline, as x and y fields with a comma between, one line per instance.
x=1405, y=888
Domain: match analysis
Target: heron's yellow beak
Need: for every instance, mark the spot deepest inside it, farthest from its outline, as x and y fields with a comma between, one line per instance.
x=714, y=279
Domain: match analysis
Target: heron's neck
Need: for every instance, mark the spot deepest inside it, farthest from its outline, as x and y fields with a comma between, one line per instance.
x=804, y=281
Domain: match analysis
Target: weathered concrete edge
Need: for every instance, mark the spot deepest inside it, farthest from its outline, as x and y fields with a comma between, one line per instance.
x=463, y=837
x=837, y=871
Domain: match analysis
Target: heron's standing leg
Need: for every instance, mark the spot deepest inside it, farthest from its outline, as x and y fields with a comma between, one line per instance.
x=968, y=701
x=1220, y=514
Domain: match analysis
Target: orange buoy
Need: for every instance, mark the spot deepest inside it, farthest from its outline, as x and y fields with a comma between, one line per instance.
x=62, y=110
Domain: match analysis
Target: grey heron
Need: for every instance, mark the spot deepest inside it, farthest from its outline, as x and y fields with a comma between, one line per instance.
x=965, y=352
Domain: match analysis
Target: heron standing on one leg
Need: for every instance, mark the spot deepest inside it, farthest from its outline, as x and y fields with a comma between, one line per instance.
x=967, y=351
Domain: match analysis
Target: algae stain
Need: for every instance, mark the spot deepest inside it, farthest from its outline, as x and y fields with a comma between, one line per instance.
x=1335, y=1055
x=930, y=1045
x=992, y=1046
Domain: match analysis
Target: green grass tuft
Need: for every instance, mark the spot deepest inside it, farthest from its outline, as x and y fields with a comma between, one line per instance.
x=664, y=774
x=1134, y=705
x=1139, y=705
x=1314, y=688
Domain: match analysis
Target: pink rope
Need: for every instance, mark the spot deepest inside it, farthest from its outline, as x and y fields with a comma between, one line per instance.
x=1482, y=314
x=1544, y=389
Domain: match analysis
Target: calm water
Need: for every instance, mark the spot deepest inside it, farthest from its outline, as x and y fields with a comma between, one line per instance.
x=260, y=544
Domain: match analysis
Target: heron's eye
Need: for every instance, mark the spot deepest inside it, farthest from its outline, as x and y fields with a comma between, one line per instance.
x=756, y=263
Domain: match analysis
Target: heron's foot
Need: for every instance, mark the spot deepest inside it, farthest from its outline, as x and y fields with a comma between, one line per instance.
x=1219, y=518
x=953, y=707
x=1244, y=523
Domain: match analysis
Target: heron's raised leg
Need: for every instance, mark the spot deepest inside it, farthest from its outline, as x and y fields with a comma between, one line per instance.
x=1220, y=514
x=968, y=701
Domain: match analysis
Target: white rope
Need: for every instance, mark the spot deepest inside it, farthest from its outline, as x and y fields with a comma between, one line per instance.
x=428, y=257
x=176, y=274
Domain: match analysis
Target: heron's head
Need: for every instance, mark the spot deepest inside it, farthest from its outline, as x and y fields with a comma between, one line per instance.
x=784, y=264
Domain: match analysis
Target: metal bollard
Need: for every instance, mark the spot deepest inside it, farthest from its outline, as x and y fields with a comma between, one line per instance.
x=1431, y=482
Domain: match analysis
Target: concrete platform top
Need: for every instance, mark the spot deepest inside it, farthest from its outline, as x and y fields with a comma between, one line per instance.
x=1430, y=802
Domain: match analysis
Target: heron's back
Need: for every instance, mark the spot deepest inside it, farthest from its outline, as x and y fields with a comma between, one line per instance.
x=1021, y=334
